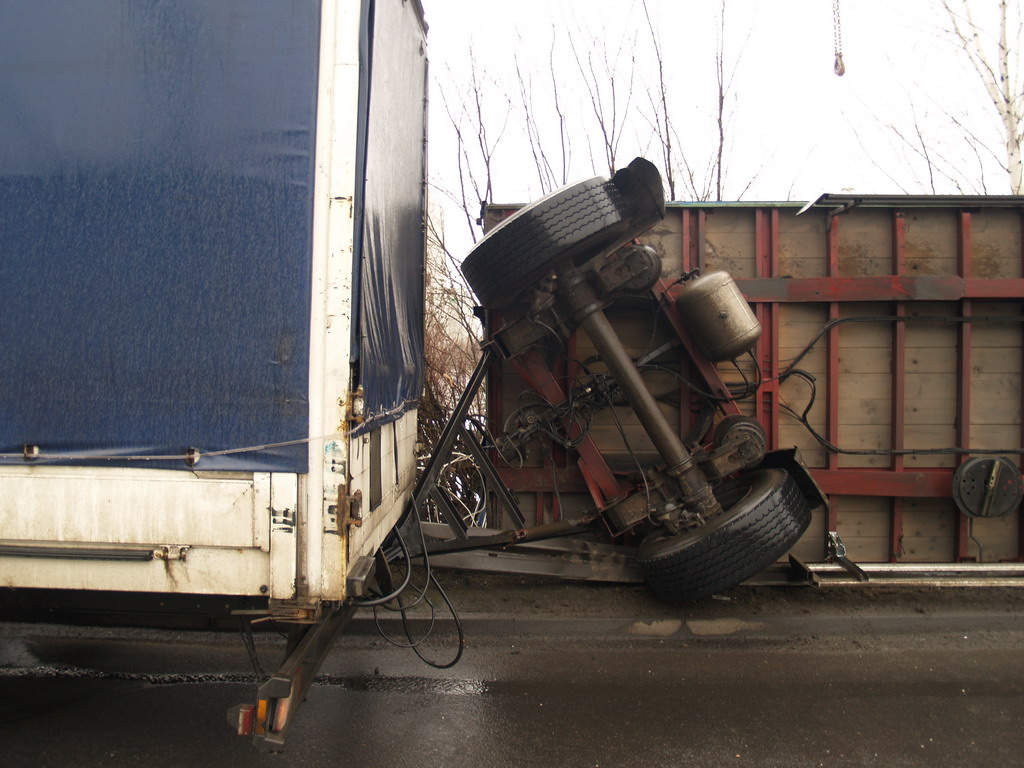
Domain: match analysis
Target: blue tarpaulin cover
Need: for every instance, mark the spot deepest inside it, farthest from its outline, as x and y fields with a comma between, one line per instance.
x=392, y=228
x=156, y=204
x=156, y=181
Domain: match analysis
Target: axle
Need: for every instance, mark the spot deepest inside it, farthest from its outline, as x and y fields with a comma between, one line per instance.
x=587, y=309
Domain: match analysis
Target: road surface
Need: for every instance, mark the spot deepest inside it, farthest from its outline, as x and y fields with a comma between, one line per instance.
x=768, y=678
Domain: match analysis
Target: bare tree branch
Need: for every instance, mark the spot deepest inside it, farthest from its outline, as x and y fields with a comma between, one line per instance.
x=661, y=124
x=601, y=79
x=1001, y=82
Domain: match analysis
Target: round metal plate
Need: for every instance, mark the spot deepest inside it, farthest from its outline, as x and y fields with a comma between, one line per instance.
x=987, y=487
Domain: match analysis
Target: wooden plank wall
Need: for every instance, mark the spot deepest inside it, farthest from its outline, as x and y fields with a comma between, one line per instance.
x=871, y=409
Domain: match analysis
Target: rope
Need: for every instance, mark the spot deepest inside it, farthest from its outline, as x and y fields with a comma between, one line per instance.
x=191, y=456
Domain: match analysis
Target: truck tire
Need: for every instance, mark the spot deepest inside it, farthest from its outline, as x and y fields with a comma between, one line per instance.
x=569, y=222
x=764, y=515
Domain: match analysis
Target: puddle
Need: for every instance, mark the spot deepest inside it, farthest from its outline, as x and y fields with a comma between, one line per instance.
x=379, y=684
x=713, y=627
x=16, y=653
x=664, y=628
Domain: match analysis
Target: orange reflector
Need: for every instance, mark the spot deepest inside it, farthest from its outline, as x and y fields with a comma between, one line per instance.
x=261, y=717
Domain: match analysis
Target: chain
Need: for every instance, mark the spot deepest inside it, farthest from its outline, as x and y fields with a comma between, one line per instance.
x=839, y=68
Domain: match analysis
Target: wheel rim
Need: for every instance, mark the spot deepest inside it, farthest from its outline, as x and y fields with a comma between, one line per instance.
x=735, y=497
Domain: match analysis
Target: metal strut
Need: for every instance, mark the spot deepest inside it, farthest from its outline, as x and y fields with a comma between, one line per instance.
x=587, y=310
x=281, y=695
x=455, y=430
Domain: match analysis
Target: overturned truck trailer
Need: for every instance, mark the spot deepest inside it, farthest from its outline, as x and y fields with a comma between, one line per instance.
x=211, y=249
x=889, y=354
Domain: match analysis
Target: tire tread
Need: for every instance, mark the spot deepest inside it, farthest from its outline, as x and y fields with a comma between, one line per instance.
x=733, y=553
x=522, y=249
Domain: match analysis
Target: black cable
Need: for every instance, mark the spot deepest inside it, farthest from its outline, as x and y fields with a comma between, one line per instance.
x=792, y=370
x=951, y=320
x=484, y=425
x=562, y=341
x=245, y=629
x=458, y=628
x=408, y=571
x=554, y=479
x=657, y=315
x=832, y=448
x=636, y=460
x=746, y=391
x=575, y=411
x=758, y=372
x=455, y=615
x=705, y=396
x=403, y=609
x=426, y=567
x=811, y=382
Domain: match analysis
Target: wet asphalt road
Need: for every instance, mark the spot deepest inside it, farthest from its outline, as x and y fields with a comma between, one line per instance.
x=789, y=689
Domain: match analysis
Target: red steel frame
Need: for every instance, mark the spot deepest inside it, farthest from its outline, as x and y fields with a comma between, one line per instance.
x=832, y=369
x=603, y=486
x=899, y=378
x=963, y=364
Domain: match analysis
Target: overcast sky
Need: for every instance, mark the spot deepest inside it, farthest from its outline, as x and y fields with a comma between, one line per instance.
x=794, y=128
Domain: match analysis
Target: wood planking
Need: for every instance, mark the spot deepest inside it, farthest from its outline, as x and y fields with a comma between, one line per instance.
x=863, y=525
x=613, y=441
x=641, y=328
x=931, y=236
x=799, y=325
x=801, y=244
x=929, y=437
x=729, y=241
x=811, y=546
x=998, y=537
x=666, y=238
x=865, y=243
x=931, y=383
x=996, y=367
x=868, y=438
x=793, y=435
x=928, y=530
x=997, y=437
x=927, y=535
x=639, y=324
x=865, y=414
x=995, y=243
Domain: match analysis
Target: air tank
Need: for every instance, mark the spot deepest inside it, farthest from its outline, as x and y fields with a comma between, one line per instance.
x=718, y=316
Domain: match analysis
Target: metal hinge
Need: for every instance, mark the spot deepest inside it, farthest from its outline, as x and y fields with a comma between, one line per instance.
x=171, y=552
x=353, y=509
